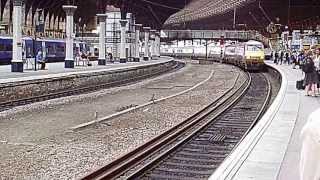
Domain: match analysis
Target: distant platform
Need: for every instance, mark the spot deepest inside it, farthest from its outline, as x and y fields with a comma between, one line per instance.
x=57, y=70
x=272, y=152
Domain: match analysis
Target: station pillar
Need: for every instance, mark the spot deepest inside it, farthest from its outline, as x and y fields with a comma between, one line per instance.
x=69, y=61
x=137, y=47
x=158, y=44
x=146, y=43
x=123, y=57
x=102, y=39
x=17, y=62
x=152, y=42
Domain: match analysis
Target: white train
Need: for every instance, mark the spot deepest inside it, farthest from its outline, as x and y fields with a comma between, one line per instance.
x=248, y=55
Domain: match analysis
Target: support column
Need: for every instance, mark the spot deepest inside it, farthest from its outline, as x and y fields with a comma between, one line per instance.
x=137, y=47
x=146, y=43
x=17, y=63
x=123, y=57
x=102, y=39
x=158, y=44
x=69, y=61
x=152, y=42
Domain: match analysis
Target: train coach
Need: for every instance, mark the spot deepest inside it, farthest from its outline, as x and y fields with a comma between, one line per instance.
x=249, y=55
x=53, y=49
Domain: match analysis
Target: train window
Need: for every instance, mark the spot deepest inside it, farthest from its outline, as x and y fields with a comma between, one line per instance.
x=2, y=47
x=29, y=52
x=50, y=49
x=60, y=48
x=9, y=47
x=254, y=47
x=230, y=49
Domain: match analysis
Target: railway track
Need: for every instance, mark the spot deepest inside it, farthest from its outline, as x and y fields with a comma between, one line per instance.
x=10, y=104
x=195, y=148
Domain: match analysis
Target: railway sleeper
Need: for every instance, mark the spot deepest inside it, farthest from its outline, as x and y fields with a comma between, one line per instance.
x=205, y=144
x=214, y=151
x=189, y=166
x=182, y=173
x=192, y=160
x=171, y=177
x=199, y=156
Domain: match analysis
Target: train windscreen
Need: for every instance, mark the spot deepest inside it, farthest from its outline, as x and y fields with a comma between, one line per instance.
x=254, y=47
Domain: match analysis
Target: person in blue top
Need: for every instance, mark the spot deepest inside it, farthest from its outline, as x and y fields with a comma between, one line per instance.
x=40, y=59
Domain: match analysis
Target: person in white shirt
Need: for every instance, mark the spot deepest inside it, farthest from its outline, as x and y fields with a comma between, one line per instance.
x=310, y=152
x=316, y=60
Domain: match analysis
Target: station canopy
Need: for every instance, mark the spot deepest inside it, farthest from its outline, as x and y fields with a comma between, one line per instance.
x=197, y=14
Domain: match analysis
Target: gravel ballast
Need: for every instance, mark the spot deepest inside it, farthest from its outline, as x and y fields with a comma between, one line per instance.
x=36, y=141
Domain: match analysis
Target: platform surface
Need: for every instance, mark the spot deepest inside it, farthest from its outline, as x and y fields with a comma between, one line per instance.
x=277, y=153
x=57, y=70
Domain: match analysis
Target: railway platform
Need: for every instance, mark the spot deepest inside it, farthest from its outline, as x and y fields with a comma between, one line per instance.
x=55, y=70
x=272, y=149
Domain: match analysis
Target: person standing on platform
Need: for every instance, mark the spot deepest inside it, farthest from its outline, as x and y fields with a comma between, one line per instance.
x=110, y=57
x=301, y=59
x=311, y=77
x=317, y=66
x=287, y=60
x=294, y=59
x=276, y=56
x=281, y=56
x=310, y=151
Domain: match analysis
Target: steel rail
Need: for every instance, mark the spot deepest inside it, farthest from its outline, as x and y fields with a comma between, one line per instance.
x=131, y=159
x=138, y=174
x=23, y=101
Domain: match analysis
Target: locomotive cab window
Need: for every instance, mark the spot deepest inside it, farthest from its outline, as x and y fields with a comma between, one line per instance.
x=254, y=47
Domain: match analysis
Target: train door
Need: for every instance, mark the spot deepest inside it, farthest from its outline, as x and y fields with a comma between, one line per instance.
x=29, y=48
x=5, y=51
x=38, y=47
x=44, y=49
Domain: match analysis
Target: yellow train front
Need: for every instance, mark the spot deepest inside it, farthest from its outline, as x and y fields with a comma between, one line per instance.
x=253, y=56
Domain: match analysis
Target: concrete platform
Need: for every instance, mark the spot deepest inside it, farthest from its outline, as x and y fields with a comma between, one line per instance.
x=58, y=70
x=272, y=150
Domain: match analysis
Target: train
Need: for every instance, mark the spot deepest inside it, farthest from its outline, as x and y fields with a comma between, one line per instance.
x=53, y=49
x=248, y=55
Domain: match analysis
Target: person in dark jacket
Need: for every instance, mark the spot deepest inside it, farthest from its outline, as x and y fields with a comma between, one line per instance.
x=276, y=56
x=311, y=76
x=281, y=57
x=287, y=58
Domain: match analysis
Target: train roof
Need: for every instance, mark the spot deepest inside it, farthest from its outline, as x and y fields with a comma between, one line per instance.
x=46, y=40
x=5, y=37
